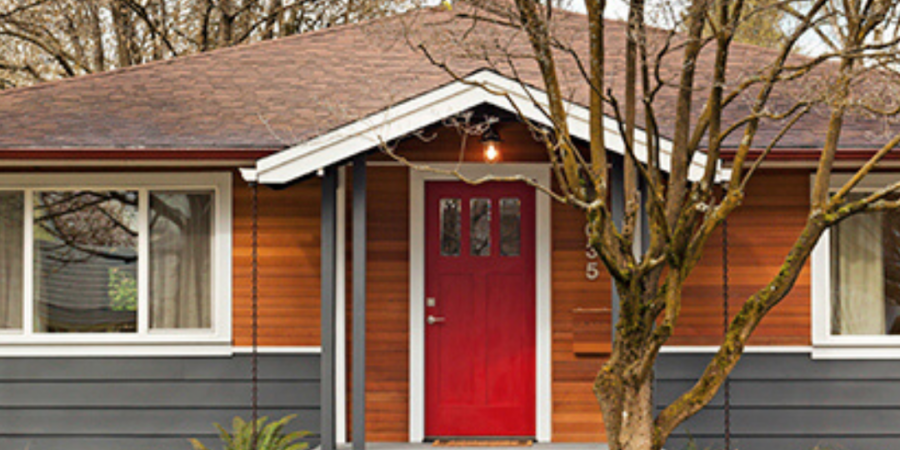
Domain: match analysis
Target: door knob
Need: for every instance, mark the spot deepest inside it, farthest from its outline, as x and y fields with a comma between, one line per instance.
x=433, y=320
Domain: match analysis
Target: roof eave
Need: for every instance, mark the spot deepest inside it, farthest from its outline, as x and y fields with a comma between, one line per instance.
x=403, y=118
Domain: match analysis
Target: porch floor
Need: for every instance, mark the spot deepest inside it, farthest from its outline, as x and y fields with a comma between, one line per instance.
x=428, y=446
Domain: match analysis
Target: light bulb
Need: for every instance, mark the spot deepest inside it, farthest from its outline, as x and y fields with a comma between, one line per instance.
x=491, y=153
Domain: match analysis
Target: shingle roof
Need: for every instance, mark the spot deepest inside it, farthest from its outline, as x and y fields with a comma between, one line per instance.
x=271, y=95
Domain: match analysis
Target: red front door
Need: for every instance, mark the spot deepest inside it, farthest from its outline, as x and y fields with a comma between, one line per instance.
x=480, y=310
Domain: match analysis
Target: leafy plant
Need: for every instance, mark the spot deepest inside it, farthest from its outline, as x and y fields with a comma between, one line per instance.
x=122, y=290
x=269, y=437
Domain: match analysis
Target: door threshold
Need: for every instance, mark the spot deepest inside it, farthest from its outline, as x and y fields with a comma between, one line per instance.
x=483, y=442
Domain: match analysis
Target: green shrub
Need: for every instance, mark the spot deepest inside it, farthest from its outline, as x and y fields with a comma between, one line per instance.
x=269, y=437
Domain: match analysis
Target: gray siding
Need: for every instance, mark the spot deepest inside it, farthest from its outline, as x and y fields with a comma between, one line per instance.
x=146, y=403
x=788, y=401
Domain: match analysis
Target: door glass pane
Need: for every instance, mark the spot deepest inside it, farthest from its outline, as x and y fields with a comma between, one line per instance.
x=451, y=226
x=11, y=253
x=510, y=218
x=85, y=261
x=181, y=231
x=480, y=232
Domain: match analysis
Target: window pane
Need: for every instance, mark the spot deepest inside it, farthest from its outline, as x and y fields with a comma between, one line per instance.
x=480, y=231
x=451, y=234
x=181, y=233
x=11, y=255
x=866, y=275
x=510, y=219
x=85, y=261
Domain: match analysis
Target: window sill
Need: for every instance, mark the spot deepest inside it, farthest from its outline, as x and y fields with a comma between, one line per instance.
x=857, y=350
x=87, y=348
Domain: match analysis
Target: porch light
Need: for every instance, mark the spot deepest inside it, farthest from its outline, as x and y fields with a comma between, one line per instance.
x=490, y=140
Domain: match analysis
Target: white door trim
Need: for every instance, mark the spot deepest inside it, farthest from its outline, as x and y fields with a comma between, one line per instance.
x=543, y=332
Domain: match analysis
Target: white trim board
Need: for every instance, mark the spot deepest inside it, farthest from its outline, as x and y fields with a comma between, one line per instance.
x=293, y=350
x=146, y=350
x=408, y=116
x=689, y=349
x=543, y=327
x=340, y=305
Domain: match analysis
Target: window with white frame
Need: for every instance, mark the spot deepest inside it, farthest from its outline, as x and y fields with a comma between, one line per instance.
x=856, y=281
x=106, y=258
x=865, y=274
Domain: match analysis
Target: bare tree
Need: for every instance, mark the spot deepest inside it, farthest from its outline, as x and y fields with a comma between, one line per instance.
x=709, y=110
x=48, y=39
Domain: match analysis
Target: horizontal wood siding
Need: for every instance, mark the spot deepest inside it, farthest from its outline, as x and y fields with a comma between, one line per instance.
x=146, y=403
x=576, y=414
x=289, y=228
x=760, y=234
x=790, y=402
x=387, y=306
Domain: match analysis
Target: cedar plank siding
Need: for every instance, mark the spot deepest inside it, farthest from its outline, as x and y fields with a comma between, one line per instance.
x=289, y=228
x=760, y=234
x=576, y=414
x=387, y=305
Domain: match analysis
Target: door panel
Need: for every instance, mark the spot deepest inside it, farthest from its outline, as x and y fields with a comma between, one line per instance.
x=480, y=276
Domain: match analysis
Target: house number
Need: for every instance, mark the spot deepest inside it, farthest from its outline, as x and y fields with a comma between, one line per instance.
x=592, y=268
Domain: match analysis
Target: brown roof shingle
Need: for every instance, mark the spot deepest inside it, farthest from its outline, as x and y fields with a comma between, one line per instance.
x=271, y=95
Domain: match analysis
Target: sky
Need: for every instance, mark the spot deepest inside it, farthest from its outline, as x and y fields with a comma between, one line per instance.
x=664, y=11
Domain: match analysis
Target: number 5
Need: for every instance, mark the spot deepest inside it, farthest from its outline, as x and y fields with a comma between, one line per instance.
x=592, y=272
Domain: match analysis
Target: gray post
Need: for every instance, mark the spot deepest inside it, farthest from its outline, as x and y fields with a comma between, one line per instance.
x=329, y=244
x=359, y=302
x=617, y=192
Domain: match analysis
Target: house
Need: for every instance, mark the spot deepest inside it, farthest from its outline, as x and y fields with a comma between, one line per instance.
x=133, y=185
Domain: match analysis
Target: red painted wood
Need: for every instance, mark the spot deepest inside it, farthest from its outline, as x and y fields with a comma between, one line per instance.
x=480, y=362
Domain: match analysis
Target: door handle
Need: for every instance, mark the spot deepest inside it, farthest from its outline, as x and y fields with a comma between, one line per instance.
x=431, y=320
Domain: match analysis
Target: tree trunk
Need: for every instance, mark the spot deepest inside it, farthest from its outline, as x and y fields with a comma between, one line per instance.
x=627, y=411
x=122, y=29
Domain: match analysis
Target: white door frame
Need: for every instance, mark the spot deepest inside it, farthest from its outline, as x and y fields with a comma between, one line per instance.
x=539, y=172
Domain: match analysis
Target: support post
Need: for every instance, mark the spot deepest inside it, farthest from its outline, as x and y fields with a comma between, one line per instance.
x=359, y=302
x=328, y=255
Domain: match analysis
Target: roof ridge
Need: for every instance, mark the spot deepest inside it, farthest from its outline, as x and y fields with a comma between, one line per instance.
x=205, y=54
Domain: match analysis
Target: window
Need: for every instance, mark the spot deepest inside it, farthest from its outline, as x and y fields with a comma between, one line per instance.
x=115, y=259
x=480, y=228
x=865, y=275
x=451, y=226
x=856, y=282
x=510, y=218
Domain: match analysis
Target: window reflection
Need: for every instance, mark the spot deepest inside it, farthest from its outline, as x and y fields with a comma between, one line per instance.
x=510, y=219
x=451, y=226
x=85, y=261
x=480, y=232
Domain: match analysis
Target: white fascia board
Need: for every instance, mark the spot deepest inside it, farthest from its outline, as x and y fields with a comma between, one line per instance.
x=446, y=101
x=249, y=175
x=366, y=133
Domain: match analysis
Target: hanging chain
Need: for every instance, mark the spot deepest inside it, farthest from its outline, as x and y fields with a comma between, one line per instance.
x=726, y=387
x=254, y=356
